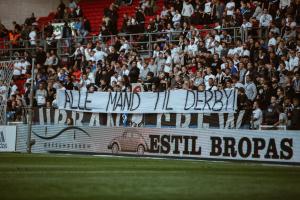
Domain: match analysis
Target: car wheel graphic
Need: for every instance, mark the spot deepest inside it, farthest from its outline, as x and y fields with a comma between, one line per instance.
x=115, y=148
x=140, y=150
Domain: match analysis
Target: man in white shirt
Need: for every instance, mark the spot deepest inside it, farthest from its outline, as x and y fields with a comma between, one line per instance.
x=265, y=19
x=176, y=18
x=272, y=41
x=257, y=116
x=208, y=76
x=245, y=51
x=246, y=24
x=100, y=55
x=207, y=7
x=125, y=46
x=192, y=47
x=250, y=88
x=175, y=53
x=168, y=63
x=230, y=8
x=87, y=53
x=293, y=61
x=164, y=12
x=238, y=49
x=187, y=11
x=17, y=69
x=283, y=4
x=90, y=75
x=265, y=22
x=84, y=83
x=258, y=11
x=3, y=91
x=32, y=37
x=218, y=48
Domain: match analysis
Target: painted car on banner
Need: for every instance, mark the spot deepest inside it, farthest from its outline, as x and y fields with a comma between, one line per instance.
x=130, y=141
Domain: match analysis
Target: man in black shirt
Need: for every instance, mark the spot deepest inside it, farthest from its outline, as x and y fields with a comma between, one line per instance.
x=295, y=117
x=69, y=84
x=134, y=73
x=271, y=115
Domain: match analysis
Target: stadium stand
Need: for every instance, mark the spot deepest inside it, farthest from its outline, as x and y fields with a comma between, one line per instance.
x=253, y=46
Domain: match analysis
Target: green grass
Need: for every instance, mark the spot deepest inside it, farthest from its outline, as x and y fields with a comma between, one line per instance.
x=39, y=176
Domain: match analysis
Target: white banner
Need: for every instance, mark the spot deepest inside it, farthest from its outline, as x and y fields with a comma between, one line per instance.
x=7, y=138
x=172, y=101
x=58, y=27
x=248, y=145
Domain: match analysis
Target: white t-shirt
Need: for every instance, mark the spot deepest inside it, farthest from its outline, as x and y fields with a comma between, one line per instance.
x=100, y=55
x=257, y=114
x=125, y=46
x=17, y=69
x=293, y=62
x=169, y=61
x=84, y=84
x=207, y=7
x=3, y=91
x=245, y=52
x=32, y=37
x=218, y=50
x=13, y=89
x=113, y=79
x=246, y=25
x=187, y=10
x=24, y=66
x=272, y=42
x=265, y=20
x=193, y=48
x=91, y=77
x=206, y=78
x=230, y=8
x=176, y=18
x=87, y=54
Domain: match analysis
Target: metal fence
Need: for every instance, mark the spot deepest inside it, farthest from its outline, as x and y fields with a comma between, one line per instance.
x=142, y=42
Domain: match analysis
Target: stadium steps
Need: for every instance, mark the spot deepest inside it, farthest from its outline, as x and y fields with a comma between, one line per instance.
x=43, y=21
x=128, y=10
x=93, y=10
x=158, y=8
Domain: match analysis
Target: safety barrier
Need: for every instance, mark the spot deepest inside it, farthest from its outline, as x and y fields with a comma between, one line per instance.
x=143, y=42
x=260, y=146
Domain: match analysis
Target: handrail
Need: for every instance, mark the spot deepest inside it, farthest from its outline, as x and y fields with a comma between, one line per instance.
x=149, y=41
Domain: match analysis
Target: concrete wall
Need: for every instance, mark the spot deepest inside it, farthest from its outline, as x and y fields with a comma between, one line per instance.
x=19, y=10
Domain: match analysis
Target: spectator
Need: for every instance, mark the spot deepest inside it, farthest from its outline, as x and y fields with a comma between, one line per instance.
x=271, y=115
x=72, y=4
x=29, y=21
x=295, y=115
x=230, y=6
x=41, y=95
x=187, y=11
x=67, y=34
x=250, y=88
x=265, y=21
x=257, y=116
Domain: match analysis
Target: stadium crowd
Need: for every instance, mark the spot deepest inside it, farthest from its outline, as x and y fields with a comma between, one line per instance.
x=264, y=66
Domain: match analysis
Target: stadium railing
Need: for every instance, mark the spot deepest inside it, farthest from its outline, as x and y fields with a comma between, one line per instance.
x=142, y=41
